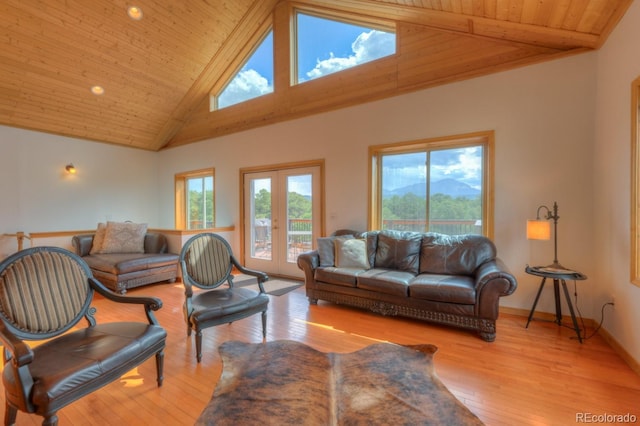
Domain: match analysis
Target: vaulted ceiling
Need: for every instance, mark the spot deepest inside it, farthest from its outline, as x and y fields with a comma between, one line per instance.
x=158, y=72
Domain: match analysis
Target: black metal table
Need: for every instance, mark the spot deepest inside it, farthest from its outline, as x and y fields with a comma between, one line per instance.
x=559, y=277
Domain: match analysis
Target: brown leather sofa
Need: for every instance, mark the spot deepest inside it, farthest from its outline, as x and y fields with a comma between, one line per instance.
x=123, y=271
x=453, y=280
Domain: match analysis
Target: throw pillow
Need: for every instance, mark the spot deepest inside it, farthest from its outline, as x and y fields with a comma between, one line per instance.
x=351, y=253
x=98, y=238
x=124, y=237
x=326, y=249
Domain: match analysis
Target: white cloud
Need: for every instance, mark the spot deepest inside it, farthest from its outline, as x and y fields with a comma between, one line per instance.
x=373, y=45
x=248, y=84
x=366, y=47
x=331, y=65
x=464, y=165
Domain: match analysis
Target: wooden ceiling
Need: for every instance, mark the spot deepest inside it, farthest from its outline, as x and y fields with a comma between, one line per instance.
x=158, y=72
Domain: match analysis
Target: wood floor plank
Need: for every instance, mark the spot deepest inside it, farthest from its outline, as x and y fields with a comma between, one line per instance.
x=540, y=375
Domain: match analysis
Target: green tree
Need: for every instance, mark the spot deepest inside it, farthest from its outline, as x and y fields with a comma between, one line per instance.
x=411, y=207
x=408, y=207
x=262, y=204
x=200, y=215
x=299, y=206
x=443, y=207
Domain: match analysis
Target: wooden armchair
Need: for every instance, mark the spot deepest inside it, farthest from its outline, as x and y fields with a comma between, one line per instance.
x=44, y=293
x=206, y=261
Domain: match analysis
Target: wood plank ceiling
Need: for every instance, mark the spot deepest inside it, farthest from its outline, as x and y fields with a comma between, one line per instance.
x=158, y=72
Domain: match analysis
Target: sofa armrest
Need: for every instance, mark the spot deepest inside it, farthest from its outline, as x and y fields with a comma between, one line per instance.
x=493, y=280
x=82, y=244
x=308, y=262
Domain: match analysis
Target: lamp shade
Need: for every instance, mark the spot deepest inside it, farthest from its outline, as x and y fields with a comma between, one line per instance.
x=538, y=230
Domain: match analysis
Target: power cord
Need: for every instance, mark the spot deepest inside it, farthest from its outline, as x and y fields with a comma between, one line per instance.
x=584, y=327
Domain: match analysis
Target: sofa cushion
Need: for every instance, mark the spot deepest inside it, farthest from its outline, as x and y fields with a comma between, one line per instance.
x=398, y=250
x=122, y=263
x=454, y=254
x=385, y=281
x=351, y=253
x=98, y=238
x=124, y=237
x=443, y=288
x=339, y=276
x=327, y=250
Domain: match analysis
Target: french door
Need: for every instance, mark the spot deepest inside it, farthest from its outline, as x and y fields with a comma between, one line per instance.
x=282, y=217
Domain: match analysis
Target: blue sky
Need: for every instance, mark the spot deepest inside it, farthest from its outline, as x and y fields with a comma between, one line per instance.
x=324, y=47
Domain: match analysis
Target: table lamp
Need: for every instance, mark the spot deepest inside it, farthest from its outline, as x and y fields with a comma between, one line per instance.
x=540, y=229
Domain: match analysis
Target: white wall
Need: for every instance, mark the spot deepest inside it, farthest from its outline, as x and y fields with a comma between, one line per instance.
x=618, y=65
x=543, y=119
x=112, y=183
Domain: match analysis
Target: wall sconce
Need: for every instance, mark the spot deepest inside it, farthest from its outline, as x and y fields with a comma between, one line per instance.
x=70, y=169
x=540, y=229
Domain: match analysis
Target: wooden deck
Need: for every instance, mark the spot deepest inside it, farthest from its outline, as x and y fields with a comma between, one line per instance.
x=535, y=376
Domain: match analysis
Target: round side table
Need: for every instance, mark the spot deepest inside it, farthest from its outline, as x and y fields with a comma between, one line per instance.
x=559, y=277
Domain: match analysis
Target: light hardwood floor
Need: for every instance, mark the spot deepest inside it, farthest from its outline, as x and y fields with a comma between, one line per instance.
x=535, y=376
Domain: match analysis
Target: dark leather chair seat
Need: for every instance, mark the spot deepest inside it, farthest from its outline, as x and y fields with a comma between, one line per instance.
x=44, y=293
x=207, y=261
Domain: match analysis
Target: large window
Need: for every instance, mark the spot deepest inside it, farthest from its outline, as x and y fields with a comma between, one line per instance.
x=325, y=46
x=437, y=185
x=195, y=199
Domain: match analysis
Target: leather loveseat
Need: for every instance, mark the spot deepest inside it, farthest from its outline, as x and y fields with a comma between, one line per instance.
x=123, y=271
x=454, y=280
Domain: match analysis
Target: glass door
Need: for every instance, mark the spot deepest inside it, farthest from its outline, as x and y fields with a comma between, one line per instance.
x=282, y=218
x=258, y=224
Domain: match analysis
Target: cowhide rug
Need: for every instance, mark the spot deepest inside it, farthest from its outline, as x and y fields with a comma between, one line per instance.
x=288, y=383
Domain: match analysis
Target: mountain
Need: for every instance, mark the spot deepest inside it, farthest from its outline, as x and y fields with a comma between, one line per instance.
x=451, y=187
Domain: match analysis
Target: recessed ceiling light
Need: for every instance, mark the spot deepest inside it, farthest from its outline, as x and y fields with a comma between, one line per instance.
x=97, y=90
x=134, y=13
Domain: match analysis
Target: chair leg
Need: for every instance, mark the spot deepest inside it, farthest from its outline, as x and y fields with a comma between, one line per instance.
x=51, y=420
x=264, y=326
x=160, y=366
x=10, y=414
x=199, y=345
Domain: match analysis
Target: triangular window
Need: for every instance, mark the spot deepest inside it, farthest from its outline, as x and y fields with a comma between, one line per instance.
x=325, y=46
x=254, y=79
